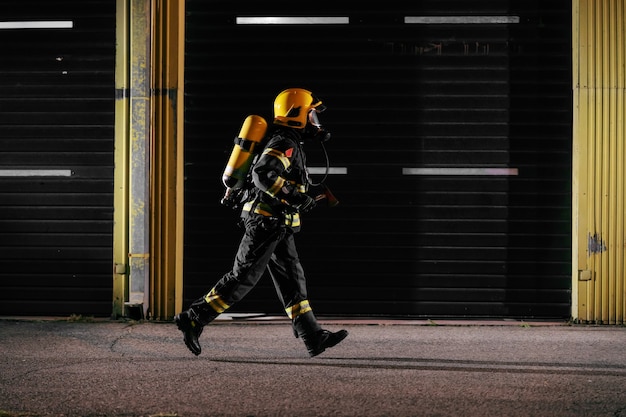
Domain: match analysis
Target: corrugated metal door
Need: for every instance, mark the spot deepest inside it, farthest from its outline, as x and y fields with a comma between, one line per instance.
x=451, y=140
x=56, y=163
x=600, y=161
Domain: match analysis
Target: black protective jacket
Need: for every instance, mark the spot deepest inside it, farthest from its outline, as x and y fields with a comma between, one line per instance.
x=278, y=175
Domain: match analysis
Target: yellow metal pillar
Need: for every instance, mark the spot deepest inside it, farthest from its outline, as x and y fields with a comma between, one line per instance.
x=148, y=217
x=599, y=190
x=131, y=232
x=120, y=194
x=139, y=155
x=167, y=175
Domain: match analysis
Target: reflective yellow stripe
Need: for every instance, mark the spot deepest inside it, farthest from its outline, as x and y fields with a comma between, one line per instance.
x=275, y=188
x=216, y=301
x=291, y=219
x=261, y=208
x=298, y=309
x=278, y=154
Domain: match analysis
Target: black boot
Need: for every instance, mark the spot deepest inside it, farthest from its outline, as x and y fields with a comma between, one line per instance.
x=191, y=329
x=317, y=342
x=192, y=321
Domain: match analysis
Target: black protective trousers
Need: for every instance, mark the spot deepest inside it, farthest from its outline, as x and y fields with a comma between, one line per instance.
x=266, y=243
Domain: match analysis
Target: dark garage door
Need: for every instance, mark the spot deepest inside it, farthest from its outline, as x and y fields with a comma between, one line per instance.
x=451, y=125
x=56, y=158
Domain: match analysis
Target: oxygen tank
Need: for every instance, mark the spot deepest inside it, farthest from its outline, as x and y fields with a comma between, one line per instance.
x=252, y=132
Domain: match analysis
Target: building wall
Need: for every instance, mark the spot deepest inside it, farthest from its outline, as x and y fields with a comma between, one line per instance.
x=452, y=156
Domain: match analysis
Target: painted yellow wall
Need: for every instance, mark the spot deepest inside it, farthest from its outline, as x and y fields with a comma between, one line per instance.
x=599, y=155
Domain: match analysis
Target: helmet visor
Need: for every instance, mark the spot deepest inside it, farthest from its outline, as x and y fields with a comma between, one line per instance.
x=313, y=119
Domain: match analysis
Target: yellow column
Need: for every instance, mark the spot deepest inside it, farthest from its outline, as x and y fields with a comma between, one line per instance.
x=148, y=197
x=599, y=193
x=139, y=155
x=132, y=160
x=120, y=194
x=168, y=152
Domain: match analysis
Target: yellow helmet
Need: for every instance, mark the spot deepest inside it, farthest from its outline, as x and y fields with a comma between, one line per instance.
x=294, y=106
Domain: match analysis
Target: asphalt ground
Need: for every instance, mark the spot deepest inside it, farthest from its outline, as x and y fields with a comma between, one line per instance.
x=257, y=368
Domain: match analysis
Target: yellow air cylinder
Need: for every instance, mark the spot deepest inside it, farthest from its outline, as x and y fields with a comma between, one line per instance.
x=252, y=132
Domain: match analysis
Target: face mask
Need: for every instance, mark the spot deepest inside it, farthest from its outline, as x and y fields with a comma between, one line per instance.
x=313, y=119
x=314, y=128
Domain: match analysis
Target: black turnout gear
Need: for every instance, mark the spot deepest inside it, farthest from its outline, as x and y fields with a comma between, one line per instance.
x=271, y=218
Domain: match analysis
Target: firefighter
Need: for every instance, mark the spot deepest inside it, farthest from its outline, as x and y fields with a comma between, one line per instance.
x=271, y=217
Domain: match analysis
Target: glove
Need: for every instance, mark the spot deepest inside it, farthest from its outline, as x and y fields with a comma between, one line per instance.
x=298, y=200
x=303, y=202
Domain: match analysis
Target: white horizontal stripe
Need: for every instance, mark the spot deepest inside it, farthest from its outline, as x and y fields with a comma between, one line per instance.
x=60, y=24
x=331, y=170
x=35, y=173
x=461, y=19
x=258, y=20
x=461, y=171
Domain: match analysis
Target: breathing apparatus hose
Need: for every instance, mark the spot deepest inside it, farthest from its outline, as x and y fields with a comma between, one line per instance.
x=326, y=194
x=321, y=182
